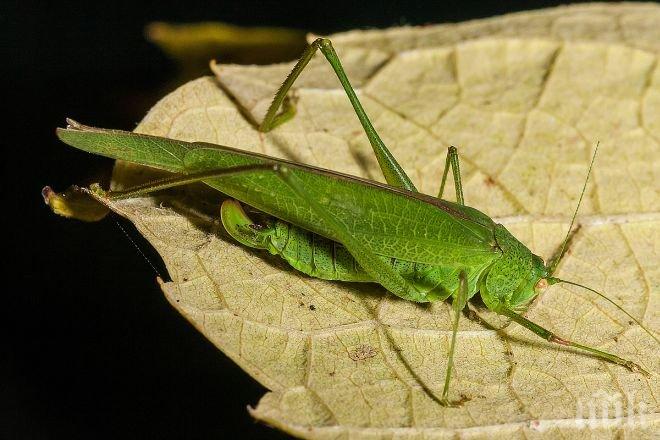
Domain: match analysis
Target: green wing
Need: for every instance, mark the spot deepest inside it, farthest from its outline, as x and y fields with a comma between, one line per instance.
x=389, y=221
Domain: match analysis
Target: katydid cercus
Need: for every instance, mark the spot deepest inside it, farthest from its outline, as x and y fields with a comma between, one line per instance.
x=335, y=226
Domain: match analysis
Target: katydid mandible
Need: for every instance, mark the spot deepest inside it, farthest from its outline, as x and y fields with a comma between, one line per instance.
x=339, y=227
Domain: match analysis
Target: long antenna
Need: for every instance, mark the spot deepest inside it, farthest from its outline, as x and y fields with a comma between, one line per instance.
x=558, y=257
x=553, y=280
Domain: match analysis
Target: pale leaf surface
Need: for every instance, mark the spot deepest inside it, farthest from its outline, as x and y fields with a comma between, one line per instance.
x=348, y=361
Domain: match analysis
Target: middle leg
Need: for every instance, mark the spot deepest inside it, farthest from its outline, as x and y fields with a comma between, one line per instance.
x=452, y=160
x=458, y=303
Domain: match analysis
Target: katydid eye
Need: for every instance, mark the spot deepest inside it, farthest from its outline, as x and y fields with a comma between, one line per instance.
x=541, y=285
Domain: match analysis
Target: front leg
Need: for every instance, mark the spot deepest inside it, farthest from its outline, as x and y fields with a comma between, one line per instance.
x=551, y=337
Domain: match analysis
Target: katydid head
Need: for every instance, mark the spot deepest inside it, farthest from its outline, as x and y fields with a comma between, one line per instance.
x=532, y=286
x=513, y=281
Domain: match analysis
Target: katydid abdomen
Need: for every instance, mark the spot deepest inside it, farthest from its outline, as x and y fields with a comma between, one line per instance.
x=320, y=257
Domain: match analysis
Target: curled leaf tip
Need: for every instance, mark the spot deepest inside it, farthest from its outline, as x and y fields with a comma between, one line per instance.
x=46, y=193
x=75, y=202
x=72, y=124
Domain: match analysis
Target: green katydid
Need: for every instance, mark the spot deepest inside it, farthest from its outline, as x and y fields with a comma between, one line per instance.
x=335, y=226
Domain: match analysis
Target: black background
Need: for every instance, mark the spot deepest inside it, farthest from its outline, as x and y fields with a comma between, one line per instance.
x=95, y=350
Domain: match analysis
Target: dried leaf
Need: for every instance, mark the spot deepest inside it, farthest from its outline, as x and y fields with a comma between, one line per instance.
x=349, y=361
x=193, y=44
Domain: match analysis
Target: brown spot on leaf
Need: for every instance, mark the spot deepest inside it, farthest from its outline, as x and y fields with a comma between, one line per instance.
x=362, y=352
